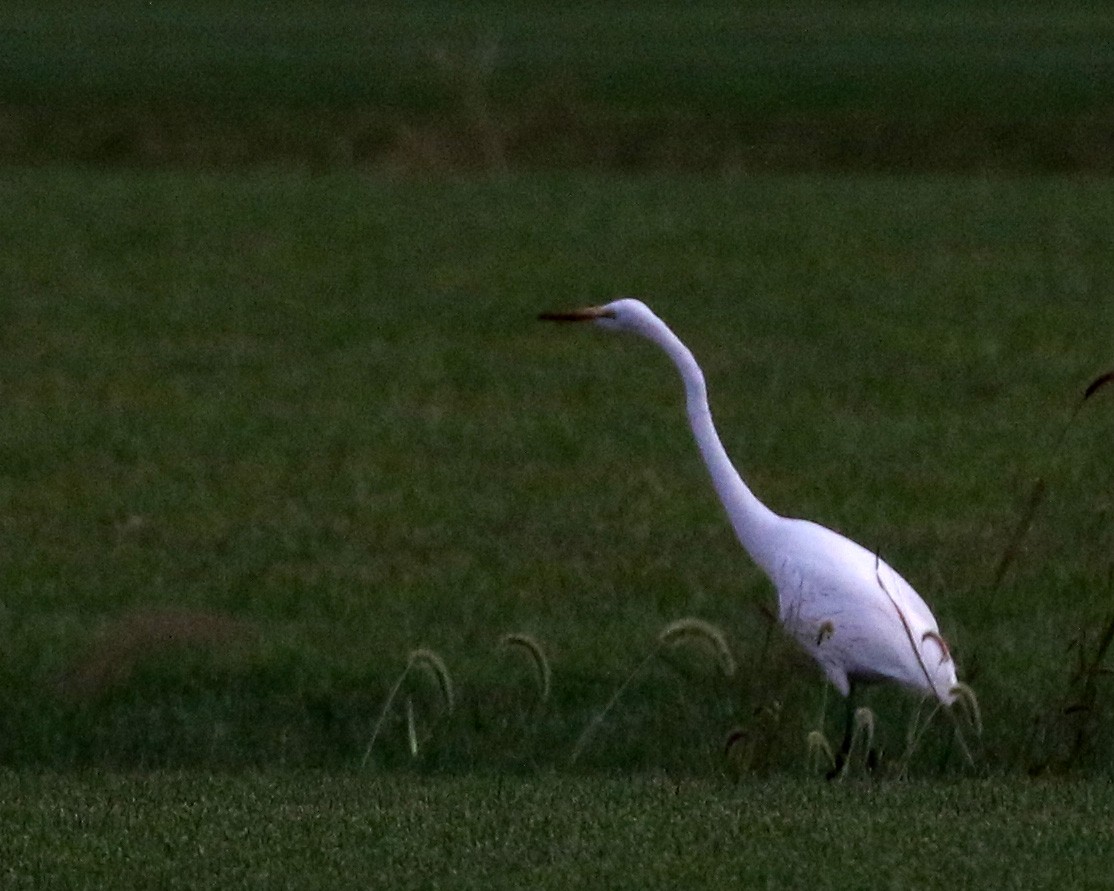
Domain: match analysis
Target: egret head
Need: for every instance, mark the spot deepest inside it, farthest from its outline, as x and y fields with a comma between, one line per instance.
x=626, y=314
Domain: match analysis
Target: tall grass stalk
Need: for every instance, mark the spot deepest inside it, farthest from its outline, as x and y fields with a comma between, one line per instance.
x=862, y=737
x=687, y=629
x=966, y=702
x=1040, y=487
x=434, y=667
x=1074, y=715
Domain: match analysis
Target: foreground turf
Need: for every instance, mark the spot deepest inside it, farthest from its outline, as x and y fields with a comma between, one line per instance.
x=262, y=436
x=278, y=830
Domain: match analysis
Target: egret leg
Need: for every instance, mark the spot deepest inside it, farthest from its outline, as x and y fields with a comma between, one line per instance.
x=848, y=736
x=844, y=752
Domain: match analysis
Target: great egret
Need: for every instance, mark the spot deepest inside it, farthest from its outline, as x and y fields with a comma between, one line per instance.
x=846, y=607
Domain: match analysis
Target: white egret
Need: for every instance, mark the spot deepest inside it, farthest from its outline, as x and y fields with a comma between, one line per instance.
x=847, y=608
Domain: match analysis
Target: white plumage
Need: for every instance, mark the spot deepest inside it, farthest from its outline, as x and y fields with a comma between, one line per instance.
x=848, y=609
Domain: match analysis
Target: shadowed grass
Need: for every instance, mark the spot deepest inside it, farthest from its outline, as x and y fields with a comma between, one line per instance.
x=433, y=86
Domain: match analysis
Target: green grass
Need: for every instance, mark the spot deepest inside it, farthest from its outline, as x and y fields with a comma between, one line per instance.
x=272, y=442
x=352, y=831
x=637, y=56
x=887, y=85
x=311, y=423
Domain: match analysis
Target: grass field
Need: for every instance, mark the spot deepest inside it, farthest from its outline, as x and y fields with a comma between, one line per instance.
x=276, y=415
x=300, y=425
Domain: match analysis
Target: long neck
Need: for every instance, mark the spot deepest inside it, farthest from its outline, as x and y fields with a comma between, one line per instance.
x=753, y=522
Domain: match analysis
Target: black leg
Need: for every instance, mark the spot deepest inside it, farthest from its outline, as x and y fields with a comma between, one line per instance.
x=848, y=735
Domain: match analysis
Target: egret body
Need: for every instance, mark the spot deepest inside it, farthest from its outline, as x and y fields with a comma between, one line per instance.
x=848, y=609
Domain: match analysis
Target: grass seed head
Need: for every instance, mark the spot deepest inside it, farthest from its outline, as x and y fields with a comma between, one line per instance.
x=862, y=736
x=818, y=746
x=435, y=667
x=698, y=630
x=864, y=725
x=542, y=671
x=1097, y=384
x=969, y=702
